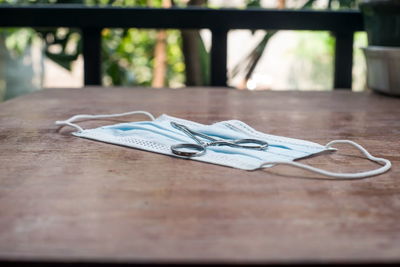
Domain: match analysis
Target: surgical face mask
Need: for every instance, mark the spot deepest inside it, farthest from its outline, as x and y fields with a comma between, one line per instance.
x=159, y=135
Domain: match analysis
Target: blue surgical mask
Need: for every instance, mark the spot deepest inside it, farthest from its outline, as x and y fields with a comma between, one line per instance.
x=158, y=135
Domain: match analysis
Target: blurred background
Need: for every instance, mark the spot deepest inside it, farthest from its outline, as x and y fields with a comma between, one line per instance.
x=31, y=59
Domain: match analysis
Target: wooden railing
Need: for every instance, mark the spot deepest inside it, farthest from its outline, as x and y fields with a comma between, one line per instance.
x=91, y=20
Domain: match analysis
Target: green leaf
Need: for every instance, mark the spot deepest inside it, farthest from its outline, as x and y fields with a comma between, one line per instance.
x=64, y=60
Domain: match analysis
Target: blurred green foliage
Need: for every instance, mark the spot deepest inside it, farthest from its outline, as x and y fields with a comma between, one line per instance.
x=128, y=57
x=315, y=49
x=248, y=64
x=127, y=54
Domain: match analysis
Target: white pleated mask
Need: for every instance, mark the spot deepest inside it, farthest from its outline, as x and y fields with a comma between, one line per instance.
x=158, y=135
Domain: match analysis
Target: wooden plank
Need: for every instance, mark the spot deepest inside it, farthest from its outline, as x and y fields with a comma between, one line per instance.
x=180, y=18
x=68, y=199
x=342, y=77
x=219, y=69
x=92, y=55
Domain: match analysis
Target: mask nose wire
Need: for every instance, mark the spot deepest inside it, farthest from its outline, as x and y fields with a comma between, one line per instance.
x=69, y=122
x=386, y=163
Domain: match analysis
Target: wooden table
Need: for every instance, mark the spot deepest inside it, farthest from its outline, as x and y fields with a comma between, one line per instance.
x=68, y=199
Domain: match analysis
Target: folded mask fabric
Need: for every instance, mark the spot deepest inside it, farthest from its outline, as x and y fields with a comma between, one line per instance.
x=158, y=135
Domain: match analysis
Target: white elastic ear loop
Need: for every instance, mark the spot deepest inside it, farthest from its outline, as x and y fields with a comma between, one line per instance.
x=386, y=164
x=85, y=116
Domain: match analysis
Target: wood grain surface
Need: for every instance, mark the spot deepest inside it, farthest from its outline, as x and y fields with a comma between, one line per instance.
x=68, y=199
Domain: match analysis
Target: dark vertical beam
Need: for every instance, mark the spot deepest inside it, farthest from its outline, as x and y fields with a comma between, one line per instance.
x=219, y=57
x=92, y=55
x=343, y=60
